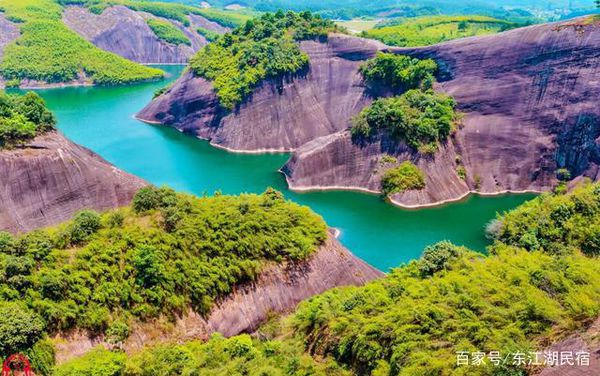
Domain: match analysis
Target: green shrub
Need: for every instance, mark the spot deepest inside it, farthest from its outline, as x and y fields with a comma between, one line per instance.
x=556, y=223
x=421, y=119
x=22, y=117
x=461, y=171
x=399, y=72
x=419, y=316
x=168, y=32
x=97, y=362
x=20, y=328
x=89, y=276
x=42, y=357
x=402, y=178
x=239, y=355
x=210, y=36
x=563, y=174
x=85, y=224
x=439, y=257
x=151, y=198
x=264, y=47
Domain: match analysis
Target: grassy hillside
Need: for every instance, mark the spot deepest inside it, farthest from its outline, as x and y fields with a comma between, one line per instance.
x=49, y=51
x=517, y=299
x=423, y=31
x=165, y=254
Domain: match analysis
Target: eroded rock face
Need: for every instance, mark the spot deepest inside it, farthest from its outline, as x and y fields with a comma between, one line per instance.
x=278, y=289
x=125, y=32
x=530, y=104
x=529, y=99
x=281, y=115
x=52, y=178
x=586, y=342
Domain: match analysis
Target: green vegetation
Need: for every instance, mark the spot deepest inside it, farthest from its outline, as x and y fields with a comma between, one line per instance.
x=262, y=48
x=22, y=117
x=428, y=30
x=517, y=299
x=167, y=253
x=227, y=18
x=210, y=36
x=172, y=11
x=415, y=320
x=421, y=119
x=555, y=224
x=49, y=51
x=239, y=355
x=400, y=72
x=167, y=32
x=402, y=178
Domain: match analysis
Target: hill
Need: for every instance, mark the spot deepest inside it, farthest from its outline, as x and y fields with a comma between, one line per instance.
x=506, y=308
x=423, y=31
x=518, y=128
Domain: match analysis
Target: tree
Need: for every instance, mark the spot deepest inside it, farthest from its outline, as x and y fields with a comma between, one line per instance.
x=20, y=328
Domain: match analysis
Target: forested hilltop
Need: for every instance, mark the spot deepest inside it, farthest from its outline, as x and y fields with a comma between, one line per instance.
x=539, y=283
x=166, y=254
x=43, y=46
x=263, y=47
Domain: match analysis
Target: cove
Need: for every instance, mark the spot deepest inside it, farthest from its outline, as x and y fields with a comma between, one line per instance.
x=102, y=119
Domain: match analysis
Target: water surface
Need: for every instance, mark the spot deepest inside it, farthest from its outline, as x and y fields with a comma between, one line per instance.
x=102, y=119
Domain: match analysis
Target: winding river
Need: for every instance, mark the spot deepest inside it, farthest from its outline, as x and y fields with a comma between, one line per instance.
x=101, y=118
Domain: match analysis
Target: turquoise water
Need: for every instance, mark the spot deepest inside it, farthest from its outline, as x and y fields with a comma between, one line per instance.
x=384, y=236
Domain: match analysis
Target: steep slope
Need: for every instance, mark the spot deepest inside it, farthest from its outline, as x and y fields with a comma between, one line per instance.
x=278, y=289
x=51, y=178
x=529, y=99
x=125, y=32
x=280, y=115
x=530, y=104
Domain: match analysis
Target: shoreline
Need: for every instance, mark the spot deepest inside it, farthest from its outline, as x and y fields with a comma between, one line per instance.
x=217, y=146
x=308, y=189
x=395, y=203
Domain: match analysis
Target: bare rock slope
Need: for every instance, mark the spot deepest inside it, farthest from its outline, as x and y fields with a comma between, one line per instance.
x=125, y=32
x=51, y=178
x=278, y=289
x=529, y=98
x=282, y=114
x=530, y=103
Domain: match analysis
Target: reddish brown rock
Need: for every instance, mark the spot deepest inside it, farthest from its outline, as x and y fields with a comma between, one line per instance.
x=51, y=178
x=587, y=342
x=282, y=114
x=529, y=98
x=125, y=32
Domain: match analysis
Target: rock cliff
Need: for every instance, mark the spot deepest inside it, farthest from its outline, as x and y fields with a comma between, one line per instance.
x=51, y=178
x=125, y=32
x=278, y=289
x=282, y=114
x=529, y=98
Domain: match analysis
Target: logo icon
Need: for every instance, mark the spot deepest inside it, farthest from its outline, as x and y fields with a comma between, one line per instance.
x=16, y=362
